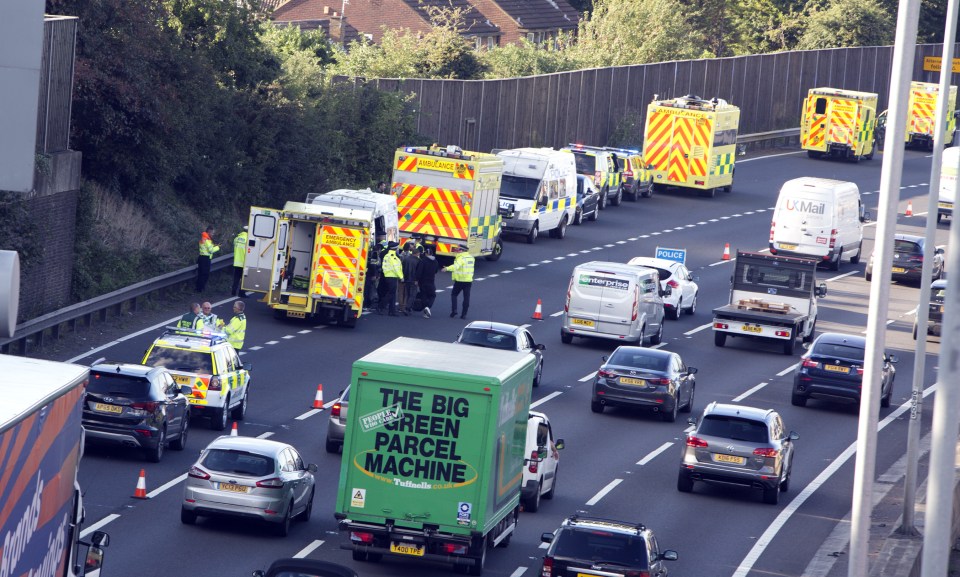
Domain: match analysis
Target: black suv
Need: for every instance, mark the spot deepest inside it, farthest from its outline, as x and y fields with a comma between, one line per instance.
x=136, y=406
x=605, y=547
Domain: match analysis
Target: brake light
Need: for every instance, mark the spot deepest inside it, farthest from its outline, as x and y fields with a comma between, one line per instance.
x=603, y=373
x=859, y=371
x=636, y=309
x=766, y=452
x=214, y=383
x=146, y=406
x=566, y=304
x=721, y=326
x=198, y=473
x=833, y=238
x=335, y=410
x=628, y=173
x=454, y=549
x=664, y=382
x=636, y=573
x=783, y=333
x=547, y=569
x=695, y=442
x=673, y=284
x=271, y=483
x=808, y=364
x=534, y=462
x=361, y=537
x=773, y=225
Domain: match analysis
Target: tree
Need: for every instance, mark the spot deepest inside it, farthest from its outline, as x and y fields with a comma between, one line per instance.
x=527, y=59
x=848, y=23
x=714, y=23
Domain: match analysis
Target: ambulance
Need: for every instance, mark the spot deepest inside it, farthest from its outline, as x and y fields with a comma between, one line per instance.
x=310, y=260
x=449, y=197
x=947, y=192
x=838, y=123
x=538, y=192
x=921, y=116
x=383, y=206
x=690, y=142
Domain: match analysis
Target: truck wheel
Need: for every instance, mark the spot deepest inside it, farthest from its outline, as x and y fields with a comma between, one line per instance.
x=156, y=454
x=497, y=251
x=477, y=568
x=790, y=344
x=719, y=339
x=566, y=338
x=532, y=235
x=533, y=503
x=813, y=333
x=709, y=192
x=649, y=192
x=350, y=321
x=240, y=411
x=219, y=420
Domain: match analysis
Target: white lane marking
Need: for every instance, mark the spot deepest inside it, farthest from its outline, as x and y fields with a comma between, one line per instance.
x=556, y=314
x=737, y=215
x=608, y=246
x=658, y=346
x=760, y=546
x=702, y=222
x=764, y=250
x=644, y=236
x=539, y=402
x=533, y=264
x=621, y=242
x=266, y=435
x=515, y=268
x=256, y=348
x=521, y=570
x=749, y=392
x=748, y=212
x=789, y=369
x=548, y=261
x=924, y=213
x=866, y=224
x=310, y=413
x=720, y=262
x=652, y=454
x=654, y=233
x=714, y=220
x=603, y=492
x=584, y=251
x=305, y=332
x=308, y=549
x=698, y=329
x=98, y=524
x=769, y=156
x=494, y=275
x=840, y=276
x=166, y=486
x=588, y=377
x=571, y=254
x=271, y=342
x=288, y=337
x=506, y=272
x=633, y=238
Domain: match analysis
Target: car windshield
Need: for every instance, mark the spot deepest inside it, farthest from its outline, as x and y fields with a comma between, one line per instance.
x=937, y=294
x=734, y=428
x=491, y=339
x=906, y=246
x=639, y=360
x=118, y=385
x=519, y=187
x=239, y=462
x=181, y=360
x=586, y=163
x=602, y=547
x=839, y=351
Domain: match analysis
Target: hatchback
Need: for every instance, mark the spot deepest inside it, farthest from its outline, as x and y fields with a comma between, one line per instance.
x=588, y=201
x=738, y=445
x=641, y=377
x=684, y=289
x=252, y=478
x=504, y=337
x=136, y=406
x=337, y=424
x=908, y=254
x=832, y=369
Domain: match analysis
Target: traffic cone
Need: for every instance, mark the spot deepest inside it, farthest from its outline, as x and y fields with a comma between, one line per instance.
x=318, y=400
x=141, y=490
x=538, y=312
x=909, y=208
x=233, y=431
x=726, y=251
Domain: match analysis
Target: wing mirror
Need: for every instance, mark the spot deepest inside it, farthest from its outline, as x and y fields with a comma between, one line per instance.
x=312, y=468
x=692, y=370
x=822, y=290
x=892, y=359
x=793, y=436
x=558, y=444
x=186, y=390
x=541, y=347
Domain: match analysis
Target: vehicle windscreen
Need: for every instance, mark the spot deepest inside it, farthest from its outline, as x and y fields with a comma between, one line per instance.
x=906, y=246
x=839, y=351
x=118, y=385
x=519, y=187
x=733, y=428
x=601, y=547
x=937, y=294
x=238, y=462
x=639, y=360
x=181, y=360
x=489, y=339
x=586, y=164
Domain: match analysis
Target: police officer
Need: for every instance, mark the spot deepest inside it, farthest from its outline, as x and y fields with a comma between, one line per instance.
x=462, y=269
x=239, y=257
x=427, y=268
x=372, y=279
x=392, y=275
x=207, y=250
x=236, y=329
x=408, y=290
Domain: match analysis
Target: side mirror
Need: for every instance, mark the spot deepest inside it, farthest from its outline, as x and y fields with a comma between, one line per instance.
x=546, y=537
x=892, y=359
x=822, y=290
x=100, y=539
x=793, y=436
x=247, y=367
x=941, y=250
x=312, y=468
x=541, y=347
x=94, y=560
x=669, y=555
x=692, y=370
x=691, y=421
x=258, y=573
x=558, y=444
x=186, y=390
x=604, y=358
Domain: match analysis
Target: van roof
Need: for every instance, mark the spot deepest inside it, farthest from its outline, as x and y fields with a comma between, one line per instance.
x=817, y=183
x=613, y=267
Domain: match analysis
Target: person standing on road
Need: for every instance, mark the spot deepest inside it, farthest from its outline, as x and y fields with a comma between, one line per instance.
x=239, y=258
x=427, y=268
x=462, y=269
x=236, y=329
x=207, y=250
x=372, y=279
x=209, y=318
x=191, y=320
x=408, y=293
x=392, y=275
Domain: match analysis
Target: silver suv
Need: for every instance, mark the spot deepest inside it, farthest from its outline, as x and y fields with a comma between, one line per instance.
x=739, y=445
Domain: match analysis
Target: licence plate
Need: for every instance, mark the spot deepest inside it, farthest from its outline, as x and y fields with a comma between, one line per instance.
x=836, y=368
x=629, y=381
x=181, y=379
x=944, y=205
x=407, y=549
x=582, y=322
x=750, y=329
x=786, y=246
x=898, y=269
x=233, y=488
x=107, y=408
x=729, y=459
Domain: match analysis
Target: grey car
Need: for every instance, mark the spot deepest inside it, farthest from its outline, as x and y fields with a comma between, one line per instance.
x=739, y=445
x=337, y=424
x=504, y=337
x=647, y=378
x=251, y=478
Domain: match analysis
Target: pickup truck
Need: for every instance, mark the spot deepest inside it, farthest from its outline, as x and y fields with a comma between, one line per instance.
x=772, y=298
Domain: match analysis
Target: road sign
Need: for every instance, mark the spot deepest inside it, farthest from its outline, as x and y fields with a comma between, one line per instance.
x=675, y=254
x=932, y=64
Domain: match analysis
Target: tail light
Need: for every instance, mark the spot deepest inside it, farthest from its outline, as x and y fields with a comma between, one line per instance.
x=361, y=537
x=547, y=569
x=198, y=473
x=859, y=371
x=833, y=238
x=271, y=483
x=808, y=364
x=534, y=462
x=145, y=407
x=695, y=442
x=721, y=326
x=636, y=301
x=773, y=226
x=214, y=383
x=662, y=382
x=335, y=410
x=673, y=284
x=766, y=452
x=782, y=333
x=454, y=548
x=596, y=178
x=628, y=173
x=604, y=373
x=144, y=432
x=566, y=304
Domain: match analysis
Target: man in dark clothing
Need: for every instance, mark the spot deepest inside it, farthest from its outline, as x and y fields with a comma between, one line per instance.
x=408, y=287
x=427, y=268
x=381, y=282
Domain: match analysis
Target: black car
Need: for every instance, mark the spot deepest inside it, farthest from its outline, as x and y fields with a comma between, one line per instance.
x=593, y=546
x=938, y=292
x=588, y=200
x=832, y=369
x=908, y=254
x=136, y=406
x=504, y=337
x=305, y=568
x=642, y=377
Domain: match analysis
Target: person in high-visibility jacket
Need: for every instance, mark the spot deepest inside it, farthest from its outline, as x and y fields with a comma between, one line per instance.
x=239, y=258
x=462, y=269
x=207, y=250
x=236, y=329
x=392, y=270
x=193, y=319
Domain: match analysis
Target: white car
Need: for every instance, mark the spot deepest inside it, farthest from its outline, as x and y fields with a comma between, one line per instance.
x=683, y=296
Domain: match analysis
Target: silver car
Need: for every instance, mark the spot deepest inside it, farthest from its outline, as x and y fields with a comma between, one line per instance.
x=337, y=425
x=252, y=478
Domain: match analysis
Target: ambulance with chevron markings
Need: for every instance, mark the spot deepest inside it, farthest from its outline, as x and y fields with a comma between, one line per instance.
x=838, y=123
x=449, y=197
x=690, y=142
x=921, y=116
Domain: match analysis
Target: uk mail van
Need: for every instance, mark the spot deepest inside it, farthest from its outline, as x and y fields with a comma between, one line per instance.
x=615, y=301
x=947, y=193
x=538, y=192
x=818, y=218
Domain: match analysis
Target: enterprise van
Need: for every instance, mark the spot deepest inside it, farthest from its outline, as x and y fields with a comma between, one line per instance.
x=538, y=192
x=818, y=218
x=616, y=301
x=947, y=192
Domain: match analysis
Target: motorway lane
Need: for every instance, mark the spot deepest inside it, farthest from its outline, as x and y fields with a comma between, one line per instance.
x=286, y=374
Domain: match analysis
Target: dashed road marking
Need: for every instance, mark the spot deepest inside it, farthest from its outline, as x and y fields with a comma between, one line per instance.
x=166, y=486
x=266, y=435
x=698, y=329
x=521, y=570
x=256, y=348
x=308, y=549
x=749, y=392
x=787, y=370
x=305, y=332
x=588, y=377
x=661, y=345
x=288, y=337
x=603, y=492
x=539, y=402
x=272, y=342
x=556, y=314
x=652, y=454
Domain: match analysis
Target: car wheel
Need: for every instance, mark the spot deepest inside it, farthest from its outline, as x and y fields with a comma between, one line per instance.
x=566, y=338
x=693, y=305
x=282, y=529
x=618, y=198
x=671, y=416
x=855, y=259
x=771, y=495
x=305, y=516
x=657, y=338
x=596, y=213
x=332, y=446
x=561, y=230
x=240, y=410
x=602, y=203
x=532, y=235
x=689, y=406
x=596, y=406
x=553, y=486
x=533, y=503
x=181, y=442
x=188, y=517
x=785, y=484
x=649, y=191
x=719, y=339
x=885, y=400
x=674, y=313
x=155, y=454
x=219, y=421
x=578, y=217
x=798, y=400
x=684, y=483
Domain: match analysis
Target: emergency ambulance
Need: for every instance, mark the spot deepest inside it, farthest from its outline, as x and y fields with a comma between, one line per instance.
x=600, y=165
x=449, y=197
x=310, y=260
x=383, y=206
x=538, y=192
x=690, y=142
x=921, y=116
x=838, y=123
x=947, y=193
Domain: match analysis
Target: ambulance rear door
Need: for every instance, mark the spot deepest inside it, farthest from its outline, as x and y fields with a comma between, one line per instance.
x=266, y=249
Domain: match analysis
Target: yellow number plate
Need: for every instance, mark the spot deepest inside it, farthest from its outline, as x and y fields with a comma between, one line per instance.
x=582, y=322
x=407, y=549
x=232, y=488
x=836, y=368
x=786, y=246
x=729, y=459
x=107, y=408
x=898, y=269
x=181, y=379
x=941, y=308
x=944, y=205
x=629, y=381
x=750, y=329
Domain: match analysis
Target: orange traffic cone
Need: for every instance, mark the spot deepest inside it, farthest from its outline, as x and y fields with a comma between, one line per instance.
x=141, y=490
x=318, y=400
x=909, y=208
x=538, y=312
x=233, y=431
x=726, y=251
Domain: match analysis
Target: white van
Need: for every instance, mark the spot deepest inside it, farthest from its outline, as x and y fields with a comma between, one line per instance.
x=383, y=206
x=948, y=182
x=818, y=218
x=542, y=461
x=538, y=192
x=616, y=301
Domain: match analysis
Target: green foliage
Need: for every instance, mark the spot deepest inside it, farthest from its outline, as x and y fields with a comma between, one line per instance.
x=848, y=23
x=17, y=232
x=628, y=132
x=528, y=59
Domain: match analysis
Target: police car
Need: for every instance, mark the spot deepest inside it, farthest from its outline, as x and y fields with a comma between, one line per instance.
x=206, y=362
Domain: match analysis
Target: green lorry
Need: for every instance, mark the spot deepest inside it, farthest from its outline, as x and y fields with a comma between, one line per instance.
x=434, y=452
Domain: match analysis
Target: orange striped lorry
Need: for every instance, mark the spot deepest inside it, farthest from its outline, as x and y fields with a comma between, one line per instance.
x=838, y=123
x=310, y=260
x=921, y=116
x=449, y=197
x=690, y=142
